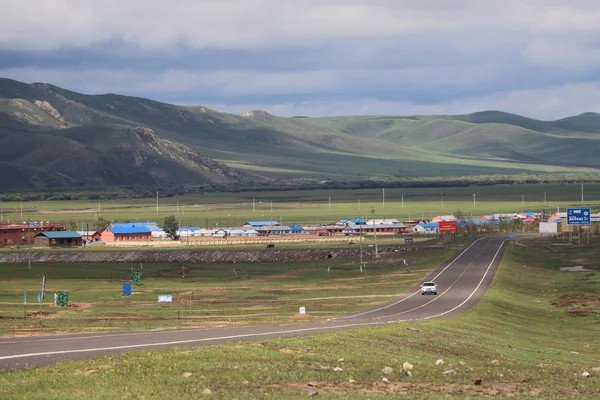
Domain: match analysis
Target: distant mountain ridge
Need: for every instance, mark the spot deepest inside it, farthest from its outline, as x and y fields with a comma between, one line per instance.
x=52, y=137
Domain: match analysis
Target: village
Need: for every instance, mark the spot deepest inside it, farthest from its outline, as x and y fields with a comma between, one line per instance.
x=53, y=235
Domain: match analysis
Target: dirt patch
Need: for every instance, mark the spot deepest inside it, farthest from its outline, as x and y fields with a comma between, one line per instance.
x=581, y=304
x=42, y=313
x=581, y=313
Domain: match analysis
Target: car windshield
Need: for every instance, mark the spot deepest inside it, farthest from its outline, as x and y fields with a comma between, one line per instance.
x=429, y=284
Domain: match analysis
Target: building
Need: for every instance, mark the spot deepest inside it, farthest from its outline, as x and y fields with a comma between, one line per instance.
x=395, y=228
x=382, y=221
x=90, y=236
x=23, y=233
x=279, y=230
x=57, y=239
x=350, y=222
x=444, y=218
x=430, y=228
x=259, y=224
x=131, y=234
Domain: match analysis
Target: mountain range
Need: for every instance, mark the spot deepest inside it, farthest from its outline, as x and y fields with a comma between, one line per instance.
x=51, y=138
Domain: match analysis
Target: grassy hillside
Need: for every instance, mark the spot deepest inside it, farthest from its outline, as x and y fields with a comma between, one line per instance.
x=264, y=146
x=102, y=154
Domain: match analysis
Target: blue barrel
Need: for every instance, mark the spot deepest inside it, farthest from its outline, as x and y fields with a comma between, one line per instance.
x=127, y=289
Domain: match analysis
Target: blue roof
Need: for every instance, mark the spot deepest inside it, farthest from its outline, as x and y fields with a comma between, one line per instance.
x=529, y=213
x=430, y=225
x=491, y=222
x=357, y=220
x=296, y=227
x=61, y=235
x=261, y=223
x=128, y=229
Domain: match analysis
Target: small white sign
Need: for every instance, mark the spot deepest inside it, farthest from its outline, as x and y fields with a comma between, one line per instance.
x=302, y=310
x=165, y=298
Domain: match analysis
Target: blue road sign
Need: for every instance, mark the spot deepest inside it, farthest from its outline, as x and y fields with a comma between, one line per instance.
x=579, y=216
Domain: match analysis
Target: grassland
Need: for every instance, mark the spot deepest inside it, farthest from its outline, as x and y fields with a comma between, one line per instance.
x=312, y=206
x=87, y=140
x=210, y=294
x=532, y=336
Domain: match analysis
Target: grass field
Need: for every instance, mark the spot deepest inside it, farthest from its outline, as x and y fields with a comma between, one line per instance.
x=312, y=207
x=532, y=336
x=210, y=294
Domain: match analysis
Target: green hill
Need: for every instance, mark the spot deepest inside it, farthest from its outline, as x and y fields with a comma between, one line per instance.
x=54, y=137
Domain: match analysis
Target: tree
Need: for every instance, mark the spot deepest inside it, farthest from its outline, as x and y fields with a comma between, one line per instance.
x=170, y=227
x=100, y=223
x=71, y=225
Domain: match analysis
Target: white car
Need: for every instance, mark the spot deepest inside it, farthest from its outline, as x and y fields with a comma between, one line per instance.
x=428, y=288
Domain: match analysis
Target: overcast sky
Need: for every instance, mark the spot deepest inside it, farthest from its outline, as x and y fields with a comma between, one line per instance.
x=539, y=58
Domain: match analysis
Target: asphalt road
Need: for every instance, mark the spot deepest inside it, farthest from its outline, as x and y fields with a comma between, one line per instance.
x=461, y=283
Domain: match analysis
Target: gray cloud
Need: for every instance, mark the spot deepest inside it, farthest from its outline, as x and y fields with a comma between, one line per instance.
x=318, y=57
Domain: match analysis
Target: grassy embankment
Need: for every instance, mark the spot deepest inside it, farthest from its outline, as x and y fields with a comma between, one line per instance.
x=532, y=336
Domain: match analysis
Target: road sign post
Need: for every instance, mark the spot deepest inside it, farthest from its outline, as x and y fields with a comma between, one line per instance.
x=578, y=217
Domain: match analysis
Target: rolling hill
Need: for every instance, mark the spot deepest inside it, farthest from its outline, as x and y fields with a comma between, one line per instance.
x=52, y=137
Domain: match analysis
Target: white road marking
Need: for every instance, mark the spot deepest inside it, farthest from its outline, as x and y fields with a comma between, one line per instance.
x=407, y=297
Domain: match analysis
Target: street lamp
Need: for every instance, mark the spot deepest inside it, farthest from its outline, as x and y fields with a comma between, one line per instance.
x=375, y=232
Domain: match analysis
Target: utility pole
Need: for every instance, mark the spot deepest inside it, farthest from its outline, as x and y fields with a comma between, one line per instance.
x=582, y=193
x=157, y=203
x=358, y=204
x=253, y=205
x=473, y=200
x=523, y=200
x=329, y=203
x=22, y=207
x=28, y=244
x=383, y=199
x=375, y=232
x=402, y=196
x=544, y=197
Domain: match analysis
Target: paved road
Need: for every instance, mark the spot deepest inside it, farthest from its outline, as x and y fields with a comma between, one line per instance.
x=461, y=283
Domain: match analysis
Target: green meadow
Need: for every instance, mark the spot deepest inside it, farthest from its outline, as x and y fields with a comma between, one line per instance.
x=203, y=294
x=532, y=336
x=312, y=206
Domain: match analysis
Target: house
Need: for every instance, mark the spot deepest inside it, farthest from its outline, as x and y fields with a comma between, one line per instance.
x=236, y=232
x=119, y=234
x=430, y=228
x=57, y=239
x=279, y=230
x=383, y=221
x=499, y=217
x=184, y=232
x=528, y=217
x=444, y=218
x=258, y=224
x=153, y=226
x=22, y=233
x=90, y=236
x=350, y=222
x=395, y=228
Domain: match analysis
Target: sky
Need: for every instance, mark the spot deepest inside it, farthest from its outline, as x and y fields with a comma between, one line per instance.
x=538, y=58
